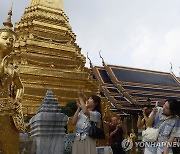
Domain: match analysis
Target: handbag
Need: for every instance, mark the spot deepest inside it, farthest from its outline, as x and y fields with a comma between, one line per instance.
x=151, y=134
x=96, y=132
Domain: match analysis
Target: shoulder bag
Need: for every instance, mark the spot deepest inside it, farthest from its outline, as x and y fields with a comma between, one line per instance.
x=151, y=134
x=96, y=132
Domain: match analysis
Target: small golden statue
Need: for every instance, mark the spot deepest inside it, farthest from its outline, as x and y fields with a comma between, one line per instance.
x=132, y=138
x=11, y=92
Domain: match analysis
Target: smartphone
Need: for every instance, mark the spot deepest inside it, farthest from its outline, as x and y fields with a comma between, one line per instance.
x=157, y=103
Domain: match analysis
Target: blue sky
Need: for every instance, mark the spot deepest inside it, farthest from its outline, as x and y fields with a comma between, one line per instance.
x=135, y=33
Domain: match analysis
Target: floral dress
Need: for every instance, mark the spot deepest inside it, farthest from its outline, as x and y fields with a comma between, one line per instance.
x=170, y=128
x=83, y=123
x=83, y=144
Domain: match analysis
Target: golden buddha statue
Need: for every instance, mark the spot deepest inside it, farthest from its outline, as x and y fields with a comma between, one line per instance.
x=11, y=92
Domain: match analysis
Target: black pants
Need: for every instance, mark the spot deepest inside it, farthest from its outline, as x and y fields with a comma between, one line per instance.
x=176, y=150
x=117, y=148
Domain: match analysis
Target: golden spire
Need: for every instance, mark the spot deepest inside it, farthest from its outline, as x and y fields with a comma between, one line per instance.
x=55, y=4
x=8, y=24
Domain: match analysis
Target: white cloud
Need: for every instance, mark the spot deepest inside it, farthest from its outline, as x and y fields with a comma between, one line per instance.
x=143, y=53
x=134, y=33
x=169, y=51
x=155, y=52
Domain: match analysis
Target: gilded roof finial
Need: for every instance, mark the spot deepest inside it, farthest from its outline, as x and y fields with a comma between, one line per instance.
x=90, y=62
x=8, y=24
x=103, y=63
x=171, y=68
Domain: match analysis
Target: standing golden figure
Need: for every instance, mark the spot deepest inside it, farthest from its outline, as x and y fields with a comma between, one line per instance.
x=11, y=92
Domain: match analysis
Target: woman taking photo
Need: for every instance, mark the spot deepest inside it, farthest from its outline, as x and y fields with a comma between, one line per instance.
x=83, y=144
x=167, y=120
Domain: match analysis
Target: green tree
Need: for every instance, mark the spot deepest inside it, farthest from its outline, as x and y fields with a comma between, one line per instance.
x=66, y=110
x=69, y=109
x=72, y=106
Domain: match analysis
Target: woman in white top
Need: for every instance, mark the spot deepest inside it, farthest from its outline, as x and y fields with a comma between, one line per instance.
x=83, y=144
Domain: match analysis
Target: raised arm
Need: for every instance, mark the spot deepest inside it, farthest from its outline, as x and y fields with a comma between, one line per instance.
x=145, y=116
x=112, y=133
x=150, y=120
x=139, y=122
x=83, y=105
x=75, y=117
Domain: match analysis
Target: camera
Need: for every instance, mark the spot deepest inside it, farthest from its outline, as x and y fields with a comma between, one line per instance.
x=140, y=112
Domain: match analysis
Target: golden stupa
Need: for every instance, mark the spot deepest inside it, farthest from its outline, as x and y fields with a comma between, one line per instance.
x=49, y=56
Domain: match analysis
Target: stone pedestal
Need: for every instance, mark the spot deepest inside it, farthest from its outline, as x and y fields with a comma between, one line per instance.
x=104, y=150
x=47, y=127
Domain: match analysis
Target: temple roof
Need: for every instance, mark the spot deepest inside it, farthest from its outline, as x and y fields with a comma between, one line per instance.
x=129, y=88
x=143, y=76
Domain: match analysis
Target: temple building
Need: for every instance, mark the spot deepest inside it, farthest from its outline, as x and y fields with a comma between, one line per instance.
x=49, y=58
x=129, y=89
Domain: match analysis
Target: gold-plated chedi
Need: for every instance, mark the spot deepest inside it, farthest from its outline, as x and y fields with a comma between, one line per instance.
x=50, y=58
